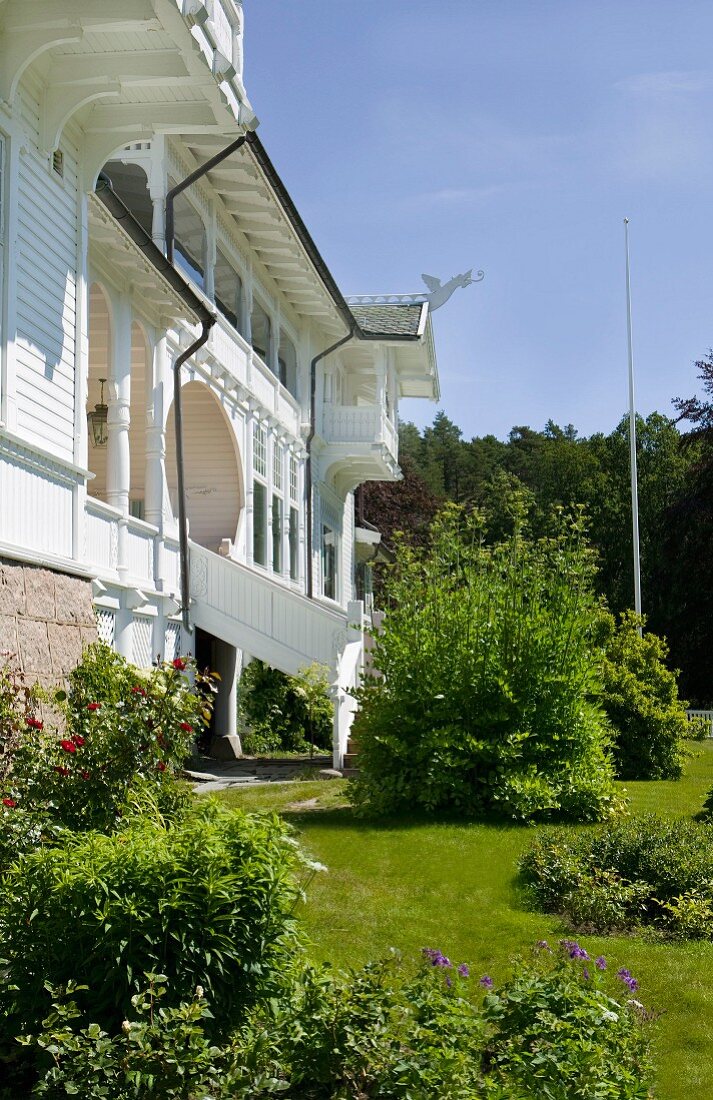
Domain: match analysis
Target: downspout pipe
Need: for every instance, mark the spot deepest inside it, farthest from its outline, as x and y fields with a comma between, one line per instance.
x=171, y=194
x=206, y=326
x=312, y=430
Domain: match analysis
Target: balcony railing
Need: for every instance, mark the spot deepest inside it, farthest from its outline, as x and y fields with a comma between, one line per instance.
x=245, y=366
x=365, y=424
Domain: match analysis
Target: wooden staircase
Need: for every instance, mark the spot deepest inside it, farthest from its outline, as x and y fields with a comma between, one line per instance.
x=350, y=767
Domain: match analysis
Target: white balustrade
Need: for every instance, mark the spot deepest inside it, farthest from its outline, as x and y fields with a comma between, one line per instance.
x=171, y=566
x=359, y=424
x=230, y=350
x=264, y=385
x=261, y=616
x=222, y=29
x=140, y=550
x=102, y=537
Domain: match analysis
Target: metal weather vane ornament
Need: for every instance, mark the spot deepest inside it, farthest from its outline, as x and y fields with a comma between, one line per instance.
x=439, y=292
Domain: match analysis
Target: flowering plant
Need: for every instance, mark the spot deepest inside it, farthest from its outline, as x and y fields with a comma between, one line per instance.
x=121, y=727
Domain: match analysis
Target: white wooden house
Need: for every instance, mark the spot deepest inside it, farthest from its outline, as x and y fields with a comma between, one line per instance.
x=104, y=109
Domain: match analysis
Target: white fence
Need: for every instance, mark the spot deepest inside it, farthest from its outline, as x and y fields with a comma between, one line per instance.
x=701, y=716
x=360, y=424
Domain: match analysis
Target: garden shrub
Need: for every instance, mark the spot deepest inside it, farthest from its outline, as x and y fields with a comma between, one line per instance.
x=207, y=900
x=18, y=702
x=489, y=671
x=284, y=713
x=561, y=1027
x=641, y=700
x=641, y=871
x=122, y=728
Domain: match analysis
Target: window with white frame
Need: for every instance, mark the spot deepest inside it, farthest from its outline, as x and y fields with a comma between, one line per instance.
x=277, y=507
x=329, y=562
x=259, y=449
x=294, y=480
x=259, y=522
x=259, y=494
x=294, y=527
x=277, y=465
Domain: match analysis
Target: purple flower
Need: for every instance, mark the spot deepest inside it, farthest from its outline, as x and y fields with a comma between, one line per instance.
x=574, y=950
x=464, y=970
x=486, y=981
x=627, y=979
x=542, y=945
x=585, y=974
x=601, y=963
x=436, y=958
x=448, y=981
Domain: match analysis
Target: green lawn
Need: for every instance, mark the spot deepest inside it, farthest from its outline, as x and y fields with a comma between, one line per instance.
x=412, y=884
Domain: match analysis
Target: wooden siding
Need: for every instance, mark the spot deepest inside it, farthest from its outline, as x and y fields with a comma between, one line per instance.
x=46, y=290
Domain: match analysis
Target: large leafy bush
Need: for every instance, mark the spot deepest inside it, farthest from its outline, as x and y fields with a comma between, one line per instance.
x=641, y=871
x=488, y=666
x=641, y=700
x=562, y=1027
x=207, y=900
x=285, y=713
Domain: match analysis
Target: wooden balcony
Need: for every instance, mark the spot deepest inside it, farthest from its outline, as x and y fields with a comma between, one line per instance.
x=361, y=444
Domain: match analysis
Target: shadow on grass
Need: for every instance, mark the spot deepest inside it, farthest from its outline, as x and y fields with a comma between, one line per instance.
x=344, y=817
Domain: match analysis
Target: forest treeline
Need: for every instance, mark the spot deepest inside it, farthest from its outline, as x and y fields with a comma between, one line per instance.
x=558, y=467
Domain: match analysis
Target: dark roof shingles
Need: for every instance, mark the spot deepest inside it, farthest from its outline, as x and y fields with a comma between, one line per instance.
x=379, y=319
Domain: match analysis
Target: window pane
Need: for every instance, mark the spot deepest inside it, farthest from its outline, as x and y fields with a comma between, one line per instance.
x=228, y=288
x=329, y=563
x=294, y=543
x=276, y=534
x=259, y=523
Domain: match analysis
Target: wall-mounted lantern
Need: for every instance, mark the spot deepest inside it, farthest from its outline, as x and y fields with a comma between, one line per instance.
x=97, y=420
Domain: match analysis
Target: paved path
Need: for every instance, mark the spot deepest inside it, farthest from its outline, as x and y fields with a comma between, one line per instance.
x=220, y=775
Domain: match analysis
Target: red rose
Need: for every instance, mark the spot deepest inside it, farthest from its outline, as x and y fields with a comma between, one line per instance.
x=85, y=775
x=179, y=663
x=68, y=746
x=10, y=803
x=161, y=766
x=187, y=727
x=78, y=740
x=61, y=771
x=93, y=706
x=35, y=723
x=138, y=690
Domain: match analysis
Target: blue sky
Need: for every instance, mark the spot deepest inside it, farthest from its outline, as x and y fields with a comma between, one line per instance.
x=513, y=136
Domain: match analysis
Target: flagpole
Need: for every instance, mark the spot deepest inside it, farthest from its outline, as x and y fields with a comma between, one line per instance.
x=632, y=437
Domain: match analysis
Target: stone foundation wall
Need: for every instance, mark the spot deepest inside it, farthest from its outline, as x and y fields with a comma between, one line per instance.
x=46, y=619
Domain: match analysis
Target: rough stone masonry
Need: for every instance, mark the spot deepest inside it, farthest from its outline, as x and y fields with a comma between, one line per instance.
x=46, y=619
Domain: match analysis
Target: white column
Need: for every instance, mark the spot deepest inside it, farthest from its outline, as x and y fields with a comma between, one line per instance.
x=274, y=345
x=157, y=191
x=270, y=490
x=246, y=308
x=118, y=469
x=249, y=495
x=81, y=378
x=155, y=476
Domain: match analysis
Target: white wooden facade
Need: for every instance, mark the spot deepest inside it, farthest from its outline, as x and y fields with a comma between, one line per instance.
x=145, y=92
